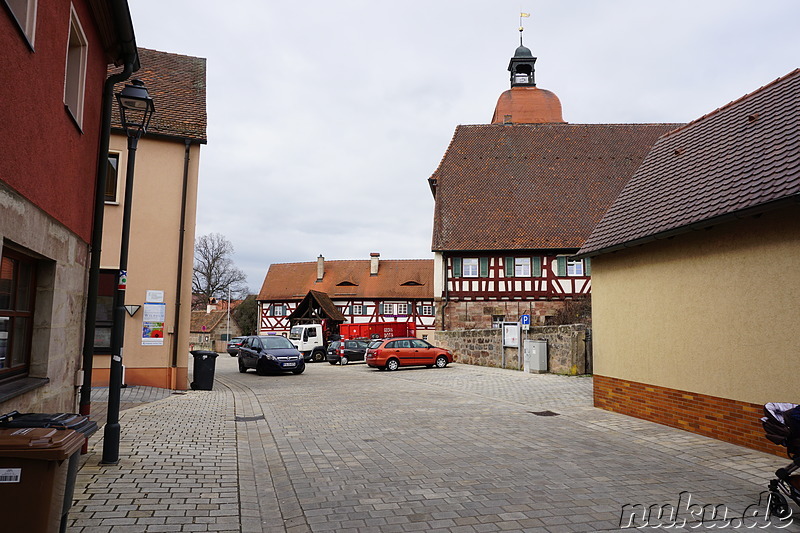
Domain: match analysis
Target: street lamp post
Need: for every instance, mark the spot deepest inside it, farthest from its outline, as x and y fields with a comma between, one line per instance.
x=136, y=108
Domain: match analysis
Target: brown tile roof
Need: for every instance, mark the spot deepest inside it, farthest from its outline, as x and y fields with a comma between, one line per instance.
x=533, y=186
x=744, y=156
x=202, y=319
x=177, y=84
x=396, y=279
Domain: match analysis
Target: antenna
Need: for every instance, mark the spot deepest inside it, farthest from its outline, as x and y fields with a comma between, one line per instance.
x=521, y=28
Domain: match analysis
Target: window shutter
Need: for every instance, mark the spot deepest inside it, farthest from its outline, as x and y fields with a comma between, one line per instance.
x=537, y=267
x=456, y=267
x=587, y=266
x=561, y=267
x=509, y=264
x=484, y=272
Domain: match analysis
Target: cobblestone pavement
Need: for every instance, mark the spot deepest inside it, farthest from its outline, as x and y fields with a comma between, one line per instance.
x=460, y=449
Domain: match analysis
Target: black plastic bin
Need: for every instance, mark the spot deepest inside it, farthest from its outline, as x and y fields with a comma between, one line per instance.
x=62, y=421
x=204, y=363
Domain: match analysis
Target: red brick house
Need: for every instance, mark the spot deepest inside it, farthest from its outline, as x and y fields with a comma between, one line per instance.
x=364, y=291
x=54, y=57
x=515, y=200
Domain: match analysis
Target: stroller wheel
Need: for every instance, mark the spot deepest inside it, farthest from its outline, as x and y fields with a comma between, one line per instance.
x=778, y=506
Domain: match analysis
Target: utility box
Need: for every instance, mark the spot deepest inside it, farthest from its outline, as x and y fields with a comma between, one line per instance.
x=535, y=356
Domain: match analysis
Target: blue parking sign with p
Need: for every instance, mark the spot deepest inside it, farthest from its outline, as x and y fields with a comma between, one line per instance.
x=525, y=320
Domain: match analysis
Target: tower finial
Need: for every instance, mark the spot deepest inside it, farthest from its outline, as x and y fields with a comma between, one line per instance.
x=521, y=29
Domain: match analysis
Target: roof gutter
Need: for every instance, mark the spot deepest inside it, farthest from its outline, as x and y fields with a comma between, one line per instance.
x=123, y=26
x=697, y=226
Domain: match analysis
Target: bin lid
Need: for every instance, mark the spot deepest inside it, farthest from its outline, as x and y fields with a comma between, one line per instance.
x=74, y=421
x=47, y=444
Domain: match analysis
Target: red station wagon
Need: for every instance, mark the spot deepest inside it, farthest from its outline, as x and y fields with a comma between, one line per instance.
x=406, y=351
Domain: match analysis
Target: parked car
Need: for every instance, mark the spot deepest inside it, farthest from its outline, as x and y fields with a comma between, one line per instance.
x=343, y=352
x=270, y=354
x=406, y=351
x=233, y=346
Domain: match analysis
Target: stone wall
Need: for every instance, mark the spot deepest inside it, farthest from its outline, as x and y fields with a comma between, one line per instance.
x=568, y=351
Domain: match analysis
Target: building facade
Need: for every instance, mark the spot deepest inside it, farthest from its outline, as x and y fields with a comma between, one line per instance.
x=365, y=291
x=514, y=201
x=695, y=273
x=54, y=58
x=164, y=206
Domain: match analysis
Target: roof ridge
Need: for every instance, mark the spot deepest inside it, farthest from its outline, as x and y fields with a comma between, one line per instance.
x=734, y=102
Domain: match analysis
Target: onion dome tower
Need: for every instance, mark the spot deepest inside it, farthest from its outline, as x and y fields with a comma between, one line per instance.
x=525, y=103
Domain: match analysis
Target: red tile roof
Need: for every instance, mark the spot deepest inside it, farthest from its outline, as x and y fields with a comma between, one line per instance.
x=744, y=156
x=396, y=279
x=205, y=322
x=177, y=84
x=533, y=186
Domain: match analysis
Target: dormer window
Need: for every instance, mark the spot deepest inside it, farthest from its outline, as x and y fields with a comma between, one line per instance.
x=411, y=283
x=346, y=284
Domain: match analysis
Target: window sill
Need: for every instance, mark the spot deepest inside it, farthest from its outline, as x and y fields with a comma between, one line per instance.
x=18, y=387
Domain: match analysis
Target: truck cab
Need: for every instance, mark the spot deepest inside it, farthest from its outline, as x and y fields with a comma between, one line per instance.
x=309, y=339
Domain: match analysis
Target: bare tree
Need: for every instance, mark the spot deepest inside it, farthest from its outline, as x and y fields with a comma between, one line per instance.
x=214, y=272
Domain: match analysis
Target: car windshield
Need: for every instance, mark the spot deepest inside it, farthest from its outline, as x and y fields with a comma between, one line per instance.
x=295, y=333
x=275, y=341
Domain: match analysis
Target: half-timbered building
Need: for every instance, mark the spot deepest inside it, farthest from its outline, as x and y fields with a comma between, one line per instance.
x=515, y=199
x=364, y=291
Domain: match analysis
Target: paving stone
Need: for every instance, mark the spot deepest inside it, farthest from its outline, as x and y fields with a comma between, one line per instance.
x=354, y=449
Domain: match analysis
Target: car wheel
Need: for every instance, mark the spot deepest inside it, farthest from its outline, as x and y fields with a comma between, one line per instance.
x=317, y=356
x=242, y=368
x=344, y=360
x=300, y=370
x=392, y=364
x=441, y=361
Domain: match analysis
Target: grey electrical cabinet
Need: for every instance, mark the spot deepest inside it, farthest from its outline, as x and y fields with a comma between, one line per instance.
x=535, y=356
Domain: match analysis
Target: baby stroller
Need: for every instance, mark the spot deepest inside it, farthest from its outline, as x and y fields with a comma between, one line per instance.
x=782, y=426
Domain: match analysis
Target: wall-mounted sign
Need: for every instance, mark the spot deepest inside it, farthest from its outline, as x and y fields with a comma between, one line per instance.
x=153, y=324
x=511, y=334
x=154, y=296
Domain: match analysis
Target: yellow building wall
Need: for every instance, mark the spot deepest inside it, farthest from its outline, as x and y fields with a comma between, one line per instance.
x=153, y=257
x=714, y=311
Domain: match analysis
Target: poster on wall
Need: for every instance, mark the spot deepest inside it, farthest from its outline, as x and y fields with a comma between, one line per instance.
x=511, y=334
x=153, y=324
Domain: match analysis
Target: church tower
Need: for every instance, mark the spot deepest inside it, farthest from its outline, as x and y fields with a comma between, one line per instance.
x=525, y=103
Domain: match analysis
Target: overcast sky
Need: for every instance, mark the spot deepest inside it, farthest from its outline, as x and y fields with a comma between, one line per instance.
x=326, y=118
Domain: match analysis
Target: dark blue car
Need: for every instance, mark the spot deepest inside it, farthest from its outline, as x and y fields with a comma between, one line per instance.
x=270, y=354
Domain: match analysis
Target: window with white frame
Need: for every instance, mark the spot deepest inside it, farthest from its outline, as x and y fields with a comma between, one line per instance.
x=24, y=12
x=402, y=309
x=522, y=267
x=469, y=267
x=358, y=309
x=427, y=310
x=575, y=268
x=75, y=76
x=278, y=310
x=387, y=309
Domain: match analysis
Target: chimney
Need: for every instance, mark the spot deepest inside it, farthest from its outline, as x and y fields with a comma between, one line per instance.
x=320, y=267
x=374, y=259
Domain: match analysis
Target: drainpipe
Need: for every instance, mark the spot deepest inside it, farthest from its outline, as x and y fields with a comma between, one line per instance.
x=97, y=236
x=446, y=297
x=121, y=15
x=179, y=277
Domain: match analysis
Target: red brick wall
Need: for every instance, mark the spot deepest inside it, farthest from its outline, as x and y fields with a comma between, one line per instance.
x=728, y=420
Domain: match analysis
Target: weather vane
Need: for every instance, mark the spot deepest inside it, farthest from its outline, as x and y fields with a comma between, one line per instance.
x=521, y=29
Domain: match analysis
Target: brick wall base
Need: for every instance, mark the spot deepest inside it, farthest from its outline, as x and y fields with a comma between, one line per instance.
x=727, y=420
